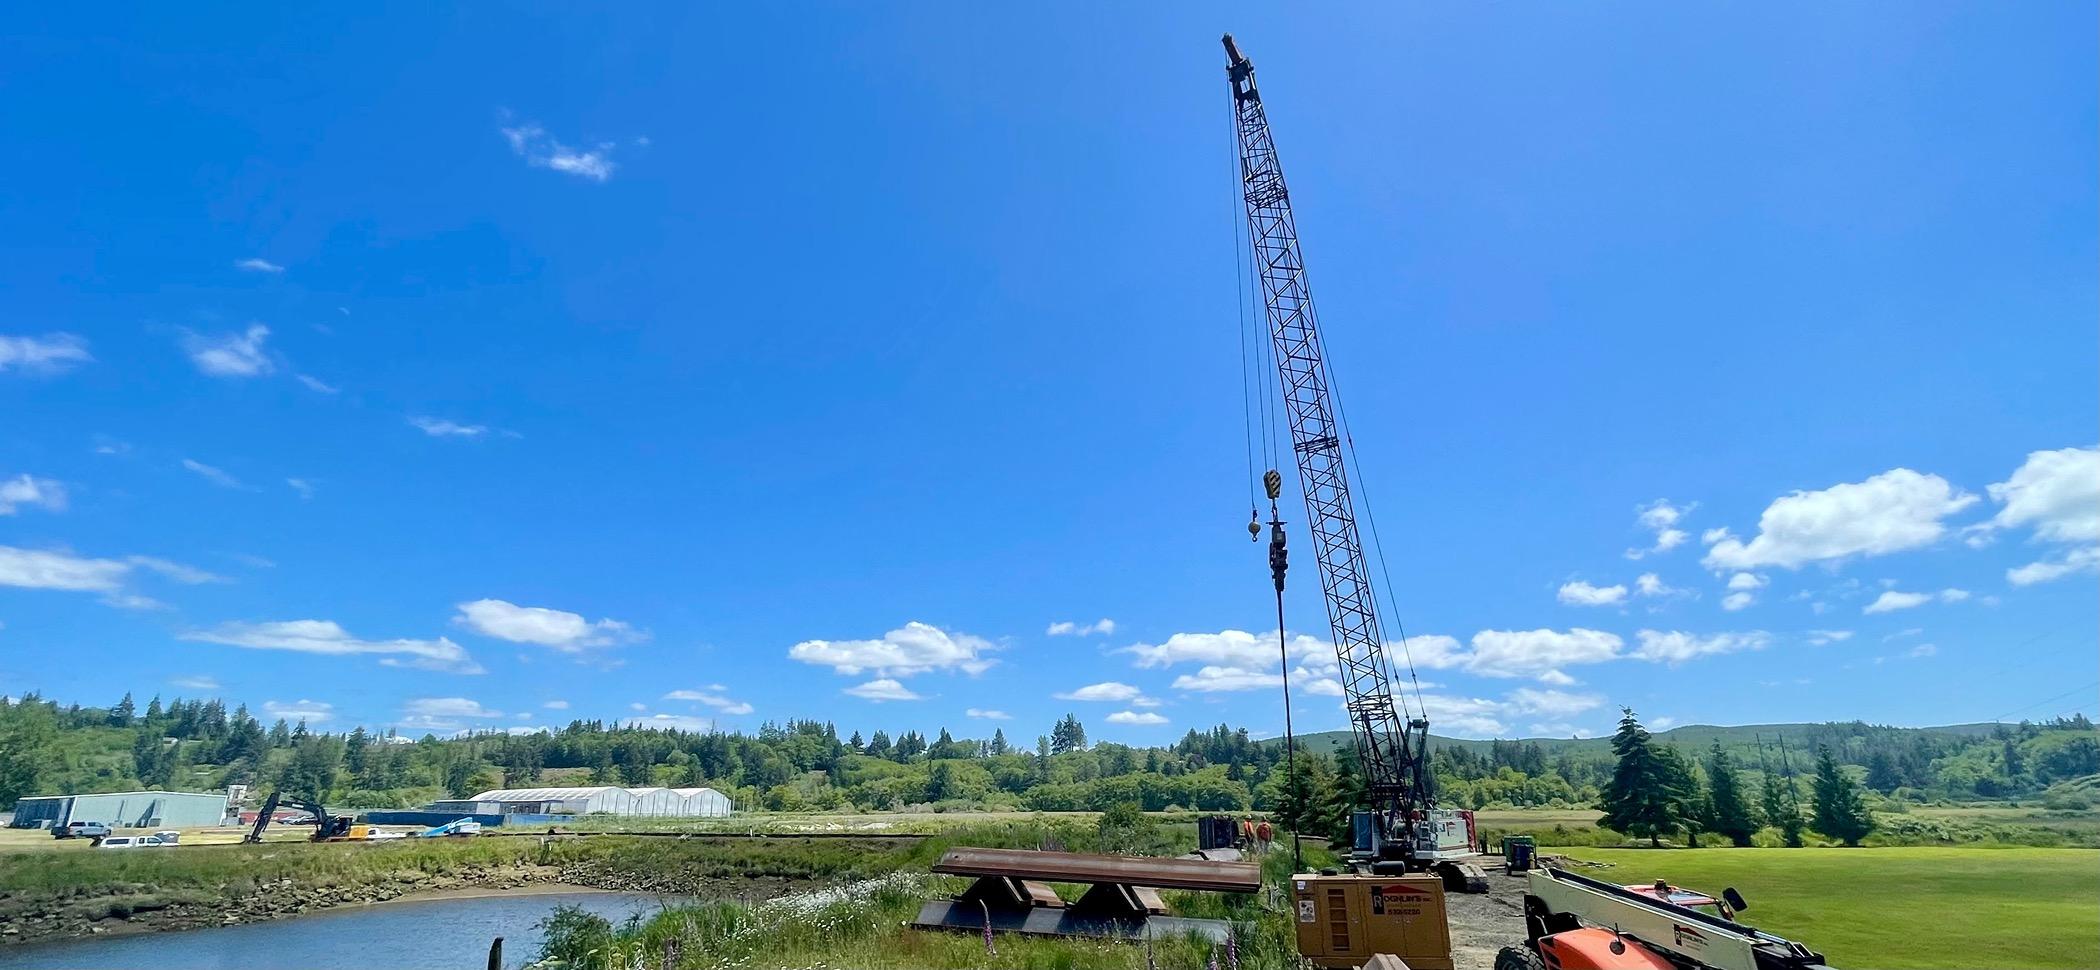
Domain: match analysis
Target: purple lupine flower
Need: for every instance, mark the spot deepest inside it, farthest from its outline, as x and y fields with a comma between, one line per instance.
x=1232, y=948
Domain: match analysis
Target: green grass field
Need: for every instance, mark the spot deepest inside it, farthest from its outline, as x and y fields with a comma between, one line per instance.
x=1900, y=908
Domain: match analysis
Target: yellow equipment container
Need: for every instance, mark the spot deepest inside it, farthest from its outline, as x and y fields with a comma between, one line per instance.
x=1345, y=920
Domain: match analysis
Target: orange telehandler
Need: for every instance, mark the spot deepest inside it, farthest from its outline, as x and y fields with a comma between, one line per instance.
x=1573, y=922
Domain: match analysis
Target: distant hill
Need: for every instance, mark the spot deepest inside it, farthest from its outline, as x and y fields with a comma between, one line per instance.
x=1697, y=736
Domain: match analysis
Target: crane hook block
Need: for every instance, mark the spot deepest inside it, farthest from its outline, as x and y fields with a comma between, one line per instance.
x=1272, y=481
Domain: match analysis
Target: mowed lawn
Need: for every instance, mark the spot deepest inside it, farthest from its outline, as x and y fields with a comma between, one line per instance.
x=1901, y=908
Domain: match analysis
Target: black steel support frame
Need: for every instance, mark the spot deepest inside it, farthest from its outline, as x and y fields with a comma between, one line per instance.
x=1392, y=752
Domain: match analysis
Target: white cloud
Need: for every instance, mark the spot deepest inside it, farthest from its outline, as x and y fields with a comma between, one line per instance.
x=1747, y=581
x=532, y=143
x=230, y=354
x=1109, y=691
x=911, y=649
x=444, y=713
x=1924, y=650
x=1518, y=653
x=196, y=682
x=1650, y=584
x=556, y=705
x=1232, y=648
x=2045, y=570
x=211, y=474
x=52, y=353
x=1068, y=628
x=1675, y=647
x=1661, y=518
x=1891, y=600
x=1896, y=510
x=312, y=712
x=883, y=689
x=329, y=638
x=1464, y=716
x=302, y=486
x=2055, y=492
x=1953, y=595
x=49, y=569
x=442, y=428
x=562, y=630
x=712, y=697
x=1823, y=637
x=1136, y=718
x=1551, y=703
x=1738, y=601
x=1324, y=687
x=316, y=384
x=988, y=715
x=1579, y=593
x=1662, y=723
x=1214, y=678
x=256, y=264
x=23, y=489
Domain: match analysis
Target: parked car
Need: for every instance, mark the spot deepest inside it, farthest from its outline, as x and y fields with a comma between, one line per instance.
x=168, y=837
x=80, y=830
x=130, y=842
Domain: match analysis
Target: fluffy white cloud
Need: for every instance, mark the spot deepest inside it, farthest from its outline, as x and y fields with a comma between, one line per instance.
x=1892, y=600
x=987, y=715
x=2055, y=492
x=48, y=569
x=2084, y=560
x=712, y=697
x=211, y=474
x=443, y=428
x=329, y=638
x=444, y=713
x=1108, y=691
x=531, y=142
x=1579, y=593
x=1141, y=718
x=52, y=353
x=1743, y=589
x=1675, y=647
x=556, y=705
x=912, y=649
x=312, y=712
x=1824, y=637
x=1738, y=601
x=1896, y=510
x=564, y=631
x=196, y=682
x=1520, y=653
x=1068, y=628
x=1233, y=648
x=257, y=264
x=1463, y=716
x=1650, y=584
x=25, y=490
x=883, y=689
x=1747, y=581
x=1661, y=518
x=1215, y=678
x=1550, y=703
x=230, y=354
x=1663, y=723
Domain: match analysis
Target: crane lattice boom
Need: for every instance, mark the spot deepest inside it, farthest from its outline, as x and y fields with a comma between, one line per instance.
x=1389, y=749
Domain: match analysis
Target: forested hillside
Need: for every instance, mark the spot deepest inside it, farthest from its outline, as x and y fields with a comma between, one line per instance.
x=809, y=765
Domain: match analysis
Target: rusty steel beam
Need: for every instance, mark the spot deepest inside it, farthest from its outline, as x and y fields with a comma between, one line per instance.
x=1198, y=874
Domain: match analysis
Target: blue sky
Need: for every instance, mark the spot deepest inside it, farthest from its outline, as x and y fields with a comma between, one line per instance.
x=484, y=370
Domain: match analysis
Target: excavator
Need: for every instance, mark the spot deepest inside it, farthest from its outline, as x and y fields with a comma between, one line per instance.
x=1573, y=922
x=327, y=828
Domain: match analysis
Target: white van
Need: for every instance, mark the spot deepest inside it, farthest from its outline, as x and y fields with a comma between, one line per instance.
x=129, y=841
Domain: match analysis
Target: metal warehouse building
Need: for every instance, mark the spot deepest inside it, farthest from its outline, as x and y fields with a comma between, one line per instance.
x=602, y=800
x=124, y=809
